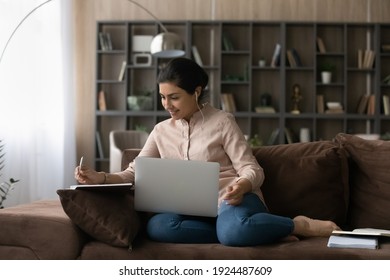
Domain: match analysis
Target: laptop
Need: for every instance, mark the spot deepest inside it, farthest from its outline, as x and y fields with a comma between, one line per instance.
x=185, y=187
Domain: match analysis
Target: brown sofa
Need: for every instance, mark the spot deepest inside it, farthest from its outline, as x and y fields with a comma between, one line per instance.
x=346, y=180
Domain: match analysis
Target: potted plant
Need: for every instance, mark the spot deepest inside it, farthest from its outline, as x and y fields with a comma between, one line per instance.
x=262, y=62
x=255, y=141
x=141, y=101
x=326, y=69
x=6, y=186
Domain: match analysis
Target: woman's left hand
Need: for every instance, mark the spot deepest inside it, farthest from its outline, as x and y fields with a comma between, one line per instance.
x=235, y=193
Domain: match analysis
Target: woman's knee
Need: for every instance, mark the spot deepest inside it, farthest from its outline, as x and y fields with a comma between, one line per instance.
x=160, y=226
x=181, y=229
x=229, y=229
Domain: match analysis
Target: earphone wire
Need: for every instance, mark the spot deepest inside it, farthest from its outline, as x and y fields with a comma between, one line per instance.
x=200, y=110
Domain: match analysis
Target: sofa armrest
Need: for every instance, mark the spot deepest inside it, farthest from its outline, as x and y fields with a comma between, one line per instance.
x=128, y=155
x=39, y=230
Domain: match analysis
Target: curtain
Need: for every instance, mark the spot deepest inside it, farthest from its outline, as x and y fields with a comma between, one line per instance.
x=37, y=99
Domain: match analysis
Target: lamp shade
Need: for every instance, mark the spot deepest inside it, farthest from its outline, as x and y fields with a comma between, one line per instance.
x=167, y=45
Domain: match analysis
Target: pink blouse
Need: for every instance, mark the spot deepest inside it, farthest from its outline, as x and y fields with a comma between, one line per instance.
x=211, y=135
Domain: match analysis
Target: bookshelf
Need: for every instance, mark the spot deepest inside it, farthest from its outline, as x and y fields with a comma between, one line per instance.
x=230, y=52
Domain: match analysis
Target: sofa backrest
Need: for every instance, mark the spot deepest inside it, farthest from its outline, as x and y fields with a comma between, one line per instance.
x=300, y=179
x=369, y=181
x=346, y=180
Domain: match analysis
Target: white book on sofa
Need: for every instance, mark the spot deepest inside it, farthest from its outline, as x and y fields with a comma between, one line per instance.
x=363, y=242
x=363, y=232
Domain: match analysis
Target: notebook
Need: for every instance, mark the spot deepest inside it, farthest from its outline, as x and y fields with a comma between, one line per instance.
x=176, y=186
x=125, y=187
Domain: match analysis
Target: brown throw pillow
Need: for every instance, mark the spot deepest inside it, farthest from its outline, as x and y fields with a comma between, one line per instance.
x=305, y=179
x=370, y=181
x=106, y=216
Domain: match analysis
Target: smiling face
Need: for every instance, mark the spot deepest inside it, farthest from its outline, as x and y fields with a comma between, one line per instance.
x=179, y=103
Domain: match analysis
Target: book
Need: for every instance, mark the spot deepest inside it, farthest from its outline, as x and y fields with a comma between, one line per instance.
x=386, y=104
x=288, y=135
x=386, y=47
x=196, y=55
x=370, y=59
x=362, y=242
x=104, y=187
x=297, y=58
x=334, y=108
x=102, y=42
x=366, y=59
x=362, y=106
x=275, y=61
x=102, y=101
x=371, y=105
x=364, y=232
x=105, y=41
x=334, y=111
x=99, y=145
x=386, y=80
x=320, y=104
x=321, y=45
x=122, y=71
x=291, y=59
x=366, y=238
x=227, y=44
x=227, y=102
x=272, y=140
x=108, y=41
x=265, y=109
x=360, y=58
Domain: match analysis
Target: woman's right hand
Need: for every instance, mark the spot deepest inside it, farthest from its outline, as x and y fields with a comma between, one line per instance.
x=85, y=175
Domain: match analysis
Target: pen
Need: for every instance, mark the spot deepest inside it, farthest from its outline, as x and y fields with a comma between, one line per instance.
x=81, y=161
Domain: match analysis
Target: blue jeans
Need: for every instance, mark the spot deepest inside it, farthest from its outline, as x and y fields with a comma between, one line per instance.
x=247, y=224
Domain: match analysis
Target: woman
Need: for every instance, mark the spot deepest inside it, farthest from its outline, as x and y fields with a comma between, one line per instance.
x=198, y=131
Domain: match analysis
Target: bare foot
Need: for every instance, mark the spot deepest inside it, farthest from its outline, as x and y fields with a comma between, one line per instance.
x=305, y=226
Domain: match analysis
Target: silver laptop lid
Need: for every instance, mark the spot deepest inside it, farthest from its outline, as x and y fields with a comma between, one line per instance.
x=176, y=186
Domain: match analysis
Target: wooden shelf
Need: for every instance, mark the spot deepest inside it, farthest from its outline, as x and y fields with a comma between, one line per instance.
x=230, y=53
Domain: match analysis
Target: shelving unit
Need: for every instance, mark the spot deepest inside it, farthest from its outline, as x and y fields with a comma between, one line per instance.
x=230, y=52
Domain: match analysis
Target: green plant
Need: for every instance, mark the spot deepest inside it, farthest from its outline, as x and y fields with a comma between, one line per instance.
x=327, y=67
x=144, y=92
x=386, y=136
x=255, y=141
x=6, y=186
x=140, y=127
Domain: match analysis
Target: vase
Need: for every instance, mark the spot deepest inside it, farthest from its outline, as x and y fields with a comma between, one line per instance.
x=326, y=77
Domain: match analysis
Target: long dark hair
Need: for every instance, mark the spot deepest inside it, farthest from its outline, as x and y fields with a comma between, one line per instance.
x=186, y=74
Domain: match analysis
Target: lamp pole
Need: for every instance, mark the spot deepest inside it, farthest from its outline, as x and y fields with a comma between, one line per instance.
x=150, y=13
x=17, y=27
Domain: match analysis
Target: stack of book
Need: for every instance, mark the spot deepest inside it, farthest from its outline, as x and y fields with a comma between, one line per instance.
x=365, y=59
x=334, y=108
x=363, y=238
x=366, y=104
x=105, y=41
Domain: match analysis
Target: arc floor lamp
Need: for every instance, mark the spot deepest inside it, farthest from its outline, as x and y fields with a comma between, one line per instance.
x=164, y=45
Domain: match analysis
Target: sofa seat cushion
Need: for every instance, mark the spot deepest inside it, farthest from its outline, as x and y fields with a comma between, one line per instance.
x=370, y=181
x=107, y=216
x=39, y=230
x=306, y=249
x=306, y=179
